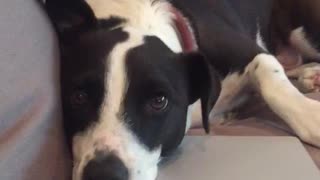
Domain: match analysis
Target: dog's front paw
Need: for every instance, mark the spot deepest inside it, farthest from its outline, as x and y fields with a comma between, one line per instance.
x=308, y=77
x=306, y=123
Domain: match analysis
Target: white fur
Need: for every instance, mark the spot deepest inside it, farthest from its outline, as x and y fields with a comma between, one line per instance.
x=259, y=39
x=300, y=113
x=302, y=44
x=149, y=16
x=195, y=113
x=232, y=93
x=110, y=132
x=190, y=116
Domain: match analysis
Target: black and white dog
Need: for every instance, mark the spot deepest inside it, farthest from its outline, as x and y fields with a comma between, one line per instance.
x=132, y=70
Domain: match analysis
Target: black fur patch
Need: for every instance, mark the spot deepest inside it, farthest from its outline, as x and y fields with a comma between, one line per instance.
x=153, y=69
x=83, y=68
x=226, y=30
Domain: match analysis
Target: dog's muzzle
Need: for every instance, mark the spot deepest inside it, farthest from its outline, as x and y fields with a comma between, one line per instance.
x=105, y=166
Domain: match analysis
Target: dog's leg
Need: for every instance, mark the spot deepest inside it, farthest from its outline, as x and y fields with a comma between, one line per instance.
x=234, y=93
x=299, y=112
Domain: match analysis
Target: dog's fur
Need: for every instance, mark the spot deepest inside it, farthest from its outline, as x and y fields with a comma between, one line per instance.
x=120, y=57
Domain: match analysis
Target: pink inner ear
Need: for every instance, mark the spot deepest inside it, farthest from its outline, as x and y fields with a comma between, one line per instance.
x=186, y=35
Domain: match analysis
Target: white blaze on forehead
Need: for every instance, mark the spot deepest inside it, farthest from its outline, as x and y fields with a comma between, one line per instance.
x=116, y=81
x=148, y=16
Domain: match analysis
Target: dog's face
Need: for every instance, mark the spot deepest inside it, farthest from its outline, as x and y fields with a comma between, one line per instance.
x=125, y=95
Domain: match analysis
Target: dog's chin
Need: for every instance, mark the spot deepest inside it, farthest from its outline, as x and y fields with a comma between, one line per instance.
x=147, y=174
x=145, y=168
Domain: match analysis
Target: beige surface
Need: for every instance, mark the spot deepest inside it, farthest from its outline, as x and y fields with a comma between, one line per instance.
x=240, y=158
x=256, y=119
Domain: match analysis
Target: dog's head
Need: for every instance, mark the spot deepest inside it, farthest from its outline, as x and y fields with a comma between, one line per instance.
x=125, y=95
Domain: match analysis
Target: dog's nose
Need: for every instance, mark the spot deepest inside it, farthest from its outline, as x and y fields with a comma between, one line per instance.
x=105, y=167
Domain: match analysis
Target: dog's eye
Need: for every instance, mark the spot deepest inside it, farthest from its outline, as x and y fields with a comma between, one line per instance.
x=79, y=98
x=159, y=103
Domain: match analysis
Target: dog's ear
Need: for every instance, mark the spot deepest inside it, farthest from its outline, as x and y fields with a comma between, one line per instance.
x=68, y=15
x=204, y=84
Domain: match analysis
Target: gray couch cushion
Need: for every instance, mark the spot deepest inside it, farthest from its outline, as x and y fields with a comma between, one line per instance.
x=31, y=141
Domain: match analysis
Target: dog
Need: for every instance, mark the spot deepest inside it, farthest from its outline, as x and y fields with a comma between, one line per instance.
x=133, y=70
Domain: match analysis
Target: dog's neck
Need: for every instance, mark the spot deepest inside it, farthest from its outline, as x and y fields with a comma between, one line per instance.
x=155, y=18
x=184, y=31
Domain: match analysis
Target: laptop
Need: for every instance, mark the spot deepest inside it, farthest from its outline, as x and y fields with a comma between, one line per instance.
x=239, y=158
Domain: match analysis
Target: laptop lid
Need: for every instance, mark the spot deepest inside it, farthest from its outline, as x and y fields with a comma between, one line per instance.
x=239, y=158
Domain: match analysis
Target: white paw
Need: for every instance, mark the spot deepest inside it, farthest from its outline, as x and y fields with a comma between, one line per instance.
x=308, y=77
x=306, y=122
